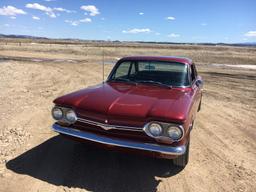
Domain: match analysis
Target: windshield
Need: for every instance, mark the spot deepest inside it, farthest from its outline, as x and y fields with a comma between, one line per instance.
x=158, y=72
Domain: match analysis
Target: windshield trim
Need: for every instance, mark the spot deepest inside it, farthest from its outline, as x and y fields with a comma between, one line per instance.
x=109, y=79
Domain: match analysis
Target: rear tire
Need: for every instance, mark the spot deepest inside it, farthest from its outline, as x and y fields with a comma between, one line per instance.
x=182, y=160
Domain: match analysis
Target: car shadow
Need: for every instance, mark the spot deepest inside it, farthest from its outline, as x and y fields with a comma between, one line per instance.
x=64, y=162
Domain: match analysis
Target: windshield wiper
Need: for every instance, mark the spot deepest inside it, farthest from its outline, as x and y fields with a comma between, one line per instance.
x=155, y=82
x=120, y=79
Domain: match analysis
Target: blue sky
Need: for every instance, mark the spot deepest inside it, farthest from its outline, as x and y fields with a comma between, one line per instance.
x=229, y=21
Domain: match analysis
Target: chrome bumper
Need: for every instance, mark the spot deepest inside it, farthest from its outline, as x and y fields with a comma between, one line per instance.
x=163, y=149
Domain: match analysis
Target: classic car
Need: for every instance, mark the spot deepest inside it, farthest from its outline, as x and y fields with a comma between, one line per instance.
x=147, y=105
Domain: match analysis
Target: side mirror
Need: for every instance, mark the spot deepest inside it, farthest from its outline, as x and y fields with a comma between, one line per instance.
x=199, y=83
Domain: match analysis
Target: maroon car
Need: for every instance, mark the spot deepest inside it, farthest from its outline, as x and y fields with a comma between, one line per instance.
x=147, y=105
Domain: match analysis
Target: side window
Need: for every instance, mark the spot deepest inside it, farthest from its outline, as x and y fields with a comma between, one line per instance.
x=193, y=72
x=133, y=70
x=147, y=66
x=123, y=70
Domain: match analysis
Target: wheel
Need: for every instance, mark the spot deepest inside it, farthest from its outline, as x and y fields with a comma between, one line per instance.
x=182, y=160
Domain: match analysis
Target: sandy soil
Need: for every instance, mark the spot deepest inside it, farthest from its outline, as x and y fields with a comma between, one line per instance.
x=34, y=158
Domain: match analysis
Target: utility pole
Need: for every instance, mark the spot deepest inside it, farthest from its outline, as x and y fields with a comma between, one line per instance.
x=103, y=63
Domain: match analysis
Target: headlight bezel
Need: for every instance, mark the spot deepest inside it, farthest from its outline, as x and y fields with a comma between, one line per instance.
x=73, y=112
x=54, y=117
x=64, y=118
x=180, y=128
x=164, y=136
x=149, y=131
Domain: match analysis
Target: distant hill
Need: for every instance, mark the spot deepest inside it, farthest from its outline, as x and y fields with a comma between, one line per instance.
x=251, y=44
x=248, y=43
x=21, y=36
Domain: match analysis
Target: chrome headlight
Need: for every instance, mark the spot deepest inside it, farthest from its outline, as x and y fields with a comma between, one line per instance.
x=164, y=132
x=57, y=113
x=155, y=129
x=175, y=133
x=71, y=116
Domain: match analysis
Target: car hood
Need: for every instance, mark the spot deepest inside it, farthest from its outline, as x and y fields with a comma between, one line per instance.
x=131, y=101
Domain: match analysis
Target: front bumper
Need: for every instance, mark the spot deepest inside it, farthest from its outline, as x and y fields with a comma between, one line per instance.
x=146, y=147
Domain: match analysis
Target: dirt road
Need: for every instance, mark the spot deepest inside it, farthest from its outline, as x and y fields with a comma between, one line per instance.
x=34, y=158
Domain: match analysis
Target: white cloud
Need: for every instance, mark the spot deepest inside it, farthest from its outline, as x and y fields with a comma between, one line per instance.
x=135, y=31
x=170, y=18
x=7, y=25
x=51, y=14
x=250, y=34
x=93, y=11
x=38, y=7
x=141, y=13
x=48, y=10
x=173, y=35
x=73, y=23
x=11, y=11
x=77, y=22
x=13, y=17
x=157, y=33
x=49, y=0
x=85, y=20
x=35, y=18
x=63, y=10
x=203, y=24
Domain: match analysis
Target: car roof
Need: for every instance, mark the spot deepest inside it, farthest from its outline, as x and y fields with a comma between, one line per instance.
x=159, y=58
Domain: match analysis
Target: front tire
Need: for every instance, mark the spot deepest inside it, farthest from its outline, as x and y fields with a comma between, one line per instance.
x=182, y=160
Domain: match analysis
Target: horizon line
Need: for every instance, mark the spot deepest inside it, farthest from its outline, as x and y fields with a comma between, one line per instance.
x=137, y=41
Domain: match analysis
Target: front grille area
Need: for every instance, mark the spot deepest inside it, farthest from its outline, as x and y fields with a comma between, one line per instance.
x=115, y=131
x=108, y=126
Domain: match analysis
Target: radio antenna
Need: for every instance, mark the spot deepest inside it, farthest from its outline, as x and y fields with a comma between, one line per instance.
x=103, y=63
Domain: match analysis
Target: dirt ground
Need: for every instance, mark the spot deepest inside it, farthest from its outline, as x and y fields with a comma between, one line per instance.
x=35, y=159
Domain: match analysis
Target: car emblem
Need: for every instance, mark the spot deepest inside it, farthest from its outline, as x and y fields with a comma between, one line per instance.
x=107, y=127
